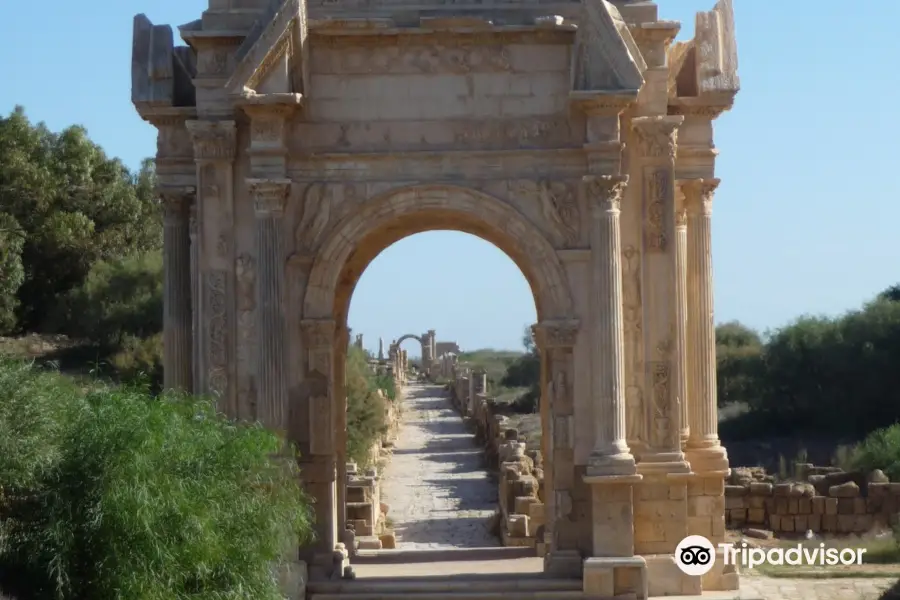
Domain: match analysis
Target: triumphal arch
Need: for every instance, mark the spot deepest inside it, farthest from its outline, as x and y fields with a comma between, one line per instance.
x=299, y=139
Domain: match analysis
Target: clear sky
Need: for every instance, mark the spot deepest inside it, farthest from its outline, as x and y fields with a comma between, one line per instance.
x=806, y=217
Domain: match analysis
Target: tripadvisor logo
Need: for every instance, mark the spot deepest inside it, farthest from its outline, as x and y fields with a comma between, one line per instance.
x=696, y=555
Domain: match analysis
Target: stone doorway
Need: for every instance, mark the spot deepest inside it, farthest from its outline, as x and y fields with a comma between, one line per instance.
x=299, y=138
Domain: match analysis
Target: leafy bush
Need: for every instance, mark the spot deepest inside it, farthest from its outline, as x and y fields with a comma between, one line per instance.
x=140, y=360
x=119, y=298
x=366, y=408
x=879, y=450
x=125, y=496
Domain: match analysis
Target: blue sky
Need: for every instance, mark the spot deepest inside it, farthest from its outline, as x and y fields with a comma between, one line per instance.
x=805, y=219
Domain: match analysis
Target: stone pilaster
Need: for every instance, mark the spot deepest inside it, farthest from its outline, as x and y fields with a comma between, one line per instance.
x=655, y=155
x=214, y=151
x=610, y=455
x=704, y=448
x=269, y=196
x=567, y=503
x=681, y=354
x=177, y=330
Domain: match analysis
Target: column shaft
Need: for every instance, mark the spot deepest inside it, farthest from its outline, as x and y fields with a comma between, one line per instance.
x=681, y=359
x=195, y=297
x=177, y=344
x=610, y=455
x=704, y=436
x=271, y=386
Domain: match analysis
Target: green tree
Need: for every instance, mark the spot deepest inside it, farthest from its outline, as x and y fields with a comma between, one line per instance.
x=738, y=363
x=73, y=206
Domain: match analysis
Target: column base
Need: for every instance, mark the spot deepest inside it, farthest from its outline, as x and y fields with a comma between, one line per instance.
x=563, y=563
x=710, y=458
x=616, y=577
x=666, y=579
x=611, y=465
x=612, y=515
x=292, y=578
x=663, y=463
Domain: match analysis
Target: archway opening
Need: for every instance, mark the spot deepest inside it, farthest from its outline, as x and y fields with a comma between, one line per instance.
x=342, y=268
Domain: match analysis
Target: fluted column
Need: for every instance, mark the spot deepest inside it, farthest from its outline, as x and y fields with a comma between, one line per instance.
x=681, y=353
x=177, y=344
x=610, y=455
x=269, y=197
x=704, y=449
x=195, y=297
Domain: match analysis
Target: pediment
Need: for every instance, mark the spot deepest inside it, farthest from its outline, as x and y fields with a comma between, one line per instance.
x=608, y=58
x=264, y=59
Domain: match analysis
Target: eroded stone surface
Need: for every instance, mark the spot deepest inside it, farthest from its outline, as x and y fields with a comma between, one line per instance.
x=440, y=495
x=816, y=589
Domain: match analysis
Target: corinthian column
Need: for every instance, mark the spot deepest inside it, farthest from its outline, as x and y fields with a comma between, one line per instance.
x=177, y=323
x=195, y=297
x=681, y=353
x=610, y=455
x=705, y=452
x=269, y=197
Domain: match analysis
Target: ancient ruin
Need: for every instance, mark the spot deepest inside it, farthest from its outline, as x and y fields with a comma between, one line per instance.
x=297, y=140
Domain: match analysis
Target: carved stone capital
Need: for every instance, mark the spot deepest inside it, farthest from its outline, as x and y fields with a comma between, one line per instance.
x=656, y=136
x=604, y=192
x=698, y=195
x=213, y=140
x=556, y=334
x=269, y=195
x=176, y=201
x=318, y=333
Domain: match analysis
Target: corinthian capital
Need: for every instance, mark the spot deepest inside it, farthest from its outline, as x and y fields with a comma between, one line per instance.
x=269, y=195
x=656, y=136
x=604, y=192
x=213, y=140
x=698, y=195
x=556, y=334
x=176, y=201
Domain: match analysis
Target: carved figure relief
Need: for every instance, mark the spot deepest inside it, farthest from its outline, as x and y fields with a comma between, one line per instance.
x=266, y=129
x=662, y=404
x=322, y=204
x=245, y=271
x=214, y=61
x=631, y=292
x=656, y=239
x=559, y=391
x=217, y=328
x=558, y=205
x=634, y=414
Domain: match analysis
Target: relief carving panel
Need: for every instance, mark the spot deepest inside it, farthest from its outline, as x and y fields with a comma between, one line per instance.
x=558, y=205
x=405, y=58
x=634, y=397
x=217, y=328
x=321, y=205
x=655, y=235
x=245, y=272
x=662, y=434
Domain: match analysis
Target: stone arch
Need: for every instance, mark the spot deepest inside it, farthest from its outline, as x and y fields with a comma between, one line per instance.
x=409, y=336
x=396, y=214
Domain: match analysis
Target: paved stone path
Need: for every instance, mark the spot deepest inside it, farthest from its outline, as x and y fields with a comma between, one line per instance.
x=439, y=494
x=771, y=588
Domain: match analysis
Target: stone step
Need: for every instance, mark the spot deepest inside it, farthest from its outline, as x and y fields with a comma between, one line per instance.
x=400, y=556
x=508, y=595
x=482, y=586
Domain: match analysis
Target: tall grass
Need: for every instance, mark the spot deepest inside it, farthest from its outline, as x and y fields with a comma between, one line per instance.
x=113, y=494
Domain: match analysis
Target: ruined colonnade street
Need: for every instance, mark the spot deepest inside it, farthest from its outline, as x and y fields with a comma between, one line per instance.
x=439, y=493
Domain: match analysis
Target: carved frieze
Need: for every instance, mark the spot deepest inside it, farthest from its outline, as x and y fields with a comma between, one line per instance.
x=631, y=293
x=213, y=140
x=532, y=132
x=558, y=205
x=656, y=236
x=443, y=57
x=213, y=61
x=217, y=331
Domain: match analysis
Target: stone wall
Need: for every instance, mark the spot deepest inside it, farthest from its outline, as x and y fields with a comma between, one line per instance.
x=367, y=527
x=823, y=500
x=521, y=477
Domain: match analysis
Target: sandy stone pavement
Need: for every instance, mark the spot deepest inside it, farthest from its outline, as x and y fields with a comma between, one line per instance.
x=439, y=493
x=771, y=588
